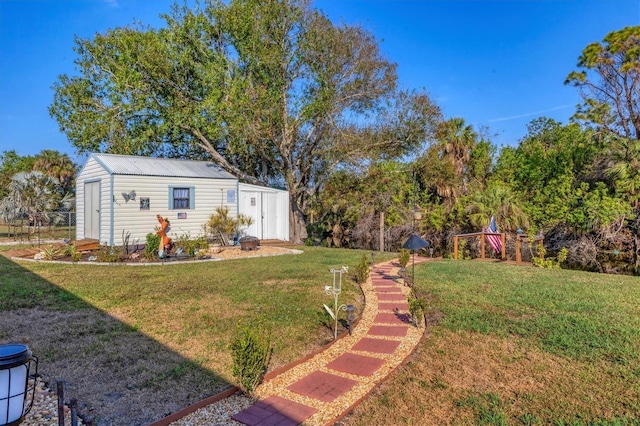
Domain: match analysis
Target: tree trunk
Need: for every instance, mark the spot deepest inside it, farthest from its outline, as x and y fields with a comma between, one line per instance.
x=297, y=221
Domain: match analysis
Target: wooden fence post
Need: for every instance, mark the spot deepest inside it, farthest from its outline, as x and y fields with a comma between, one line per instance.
x=455, y=247
x=60, y=390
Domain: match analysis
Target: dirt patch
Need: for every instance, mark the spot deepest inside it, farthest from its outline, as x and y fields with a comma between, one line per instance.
x=119, y=376
x=237, y=253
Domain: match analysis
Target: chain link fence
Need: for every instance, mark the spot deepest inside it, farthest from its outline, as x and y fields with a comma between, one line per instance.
x=39, y=227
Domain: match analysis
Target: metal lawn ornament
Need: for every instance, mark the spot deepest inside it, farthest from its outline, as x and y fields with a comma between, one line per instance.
x=335, y=291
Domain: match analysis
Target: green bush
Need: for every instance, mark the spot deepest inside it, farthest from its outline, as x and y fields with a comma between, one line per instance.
x=222, y=227
x=250, y=351
x=463, y=251
x=72, y=251
x=109, y=254
x=417, y=308
x=550, y=262
x=52, y=252
x=403, y=257
x=151, y=247
x=362, y=270
x=191, y=246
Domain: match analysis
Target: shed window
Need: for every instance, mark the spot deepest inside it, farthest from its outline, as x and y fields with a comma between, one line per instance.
x=181, y=198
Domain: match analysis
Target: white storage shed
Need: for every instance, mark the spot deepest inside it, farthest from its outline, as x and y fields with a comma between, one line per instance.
x=120, y=195
x=269, y=208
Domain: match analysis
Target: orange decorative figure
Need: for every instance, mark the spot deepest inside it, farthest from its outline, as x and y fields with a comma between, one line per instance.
x=165, y=242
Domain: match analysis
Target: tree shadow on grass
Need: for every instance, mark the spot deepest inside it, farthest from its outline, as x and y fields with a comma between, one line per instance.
x=118, y=375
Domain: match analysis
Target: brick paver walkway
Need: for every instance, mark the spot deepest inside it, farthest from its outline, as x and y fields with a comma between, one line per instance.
x=324, y=388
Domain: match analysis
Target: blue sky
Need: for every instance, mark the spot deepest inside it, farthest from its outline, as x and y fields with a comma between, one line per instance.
x=498, y=64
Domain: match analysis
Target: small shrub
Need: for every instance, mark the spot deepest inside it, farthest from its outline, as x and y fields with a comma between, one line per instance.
x=52, y=252
x=362, y=270
x=463, y=251
x=250, y=351
x=223, y=228
x=190, y=246
x=151, y=247
x=72, y=251
x=404, y=257
x=417, y=308
x=108, y=254
x=549, y=262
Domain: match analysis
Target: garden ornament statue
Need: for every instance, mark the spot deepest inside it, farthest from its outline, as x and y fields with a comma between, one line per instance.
x=165, y=242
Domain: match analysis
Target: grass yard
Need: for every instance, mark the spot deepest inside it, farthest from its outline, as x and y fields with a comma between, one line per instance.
x=518, y=346
x=137, y=343
x=506, y=345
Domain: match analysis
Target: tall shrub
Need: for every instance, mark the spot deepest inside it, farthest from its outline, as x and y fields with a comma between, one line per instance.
x=250, y=351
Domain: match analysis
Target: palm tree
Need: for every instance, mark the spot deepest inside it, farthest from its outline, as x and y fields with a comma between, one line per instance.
x=445, y=164
x=499, y=202
x=56, y=165
x=457, y=141
x=624, y=168
x=31, y=194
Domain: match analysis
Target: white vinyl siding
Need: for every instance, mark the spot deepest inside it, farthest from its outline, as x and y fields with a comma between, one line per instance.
x=130, y=220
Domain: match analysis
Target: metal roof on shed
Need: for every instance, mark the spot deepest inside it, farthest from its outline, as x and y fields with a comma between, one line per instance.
x=166, y=167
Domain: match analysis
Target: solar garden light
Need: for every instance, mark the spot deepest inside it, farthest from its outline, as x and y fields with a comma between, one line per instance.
x=335, y=291
x=16, y=396
x=417, y=213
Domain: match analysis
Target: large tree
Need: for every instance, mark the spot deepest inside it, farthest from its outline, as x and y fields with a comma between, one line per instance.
x=12, y=163
x=609, y=81
x=270, y=90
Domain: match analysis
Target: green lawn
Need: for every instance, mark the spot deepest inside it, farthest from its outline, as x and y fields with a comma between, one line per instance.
x=196, y=305
x=519, y=345
x=506, y=344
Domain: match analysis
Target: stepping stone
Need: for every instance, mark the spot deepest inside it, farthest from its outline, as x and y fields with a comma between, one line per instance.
x=360, y=365
x=274, y=410
x=322, y=386
x=387, y=318
x=388, y=289
x=390, y=306
x=384, y=283
x=392, y=296
x=381, y=276
x=388, y=331
x=378, y=346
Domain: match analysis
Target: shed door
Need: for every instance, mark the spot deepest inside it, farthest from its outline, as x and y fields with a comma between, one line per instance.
x=251, y=207
x=92, y=210
x=269, y=216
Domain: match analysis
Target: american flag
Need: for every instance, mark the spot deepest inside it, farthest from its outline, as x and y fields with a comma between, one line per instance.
x=494, y=240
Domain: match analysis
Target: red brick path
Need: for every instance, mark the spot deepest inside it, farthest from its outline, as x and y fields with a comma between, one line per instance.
x=327, y=385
